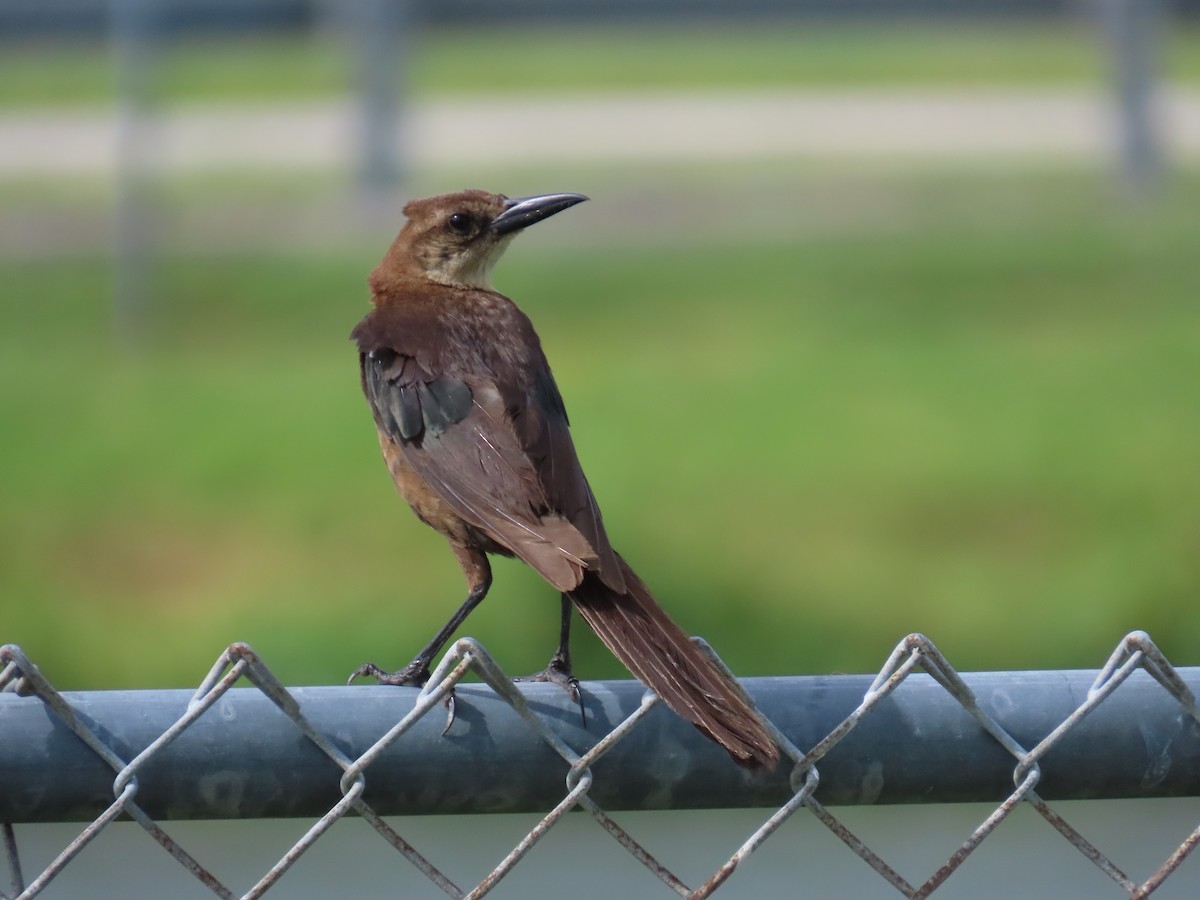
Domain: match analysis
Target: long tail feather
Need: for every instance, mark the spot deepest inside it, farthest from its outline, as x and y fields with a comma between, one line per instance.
x=641, y=635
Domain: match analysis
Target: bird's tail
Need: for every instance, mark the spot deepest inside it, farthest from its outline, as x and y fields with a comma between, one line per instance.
x=643, y=637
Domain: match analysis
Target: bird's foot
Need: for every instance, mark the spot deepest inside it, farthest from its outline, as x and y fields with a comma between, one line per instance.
x=416, y=673
x=559, y=672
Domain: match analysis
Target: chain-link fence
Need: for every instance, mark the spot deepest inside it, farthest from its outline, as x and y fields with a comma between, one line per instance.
x=918, y=731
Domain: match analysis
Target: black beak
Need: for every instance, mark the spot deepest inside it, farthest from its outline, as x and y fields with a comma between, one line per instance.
x=521, y=212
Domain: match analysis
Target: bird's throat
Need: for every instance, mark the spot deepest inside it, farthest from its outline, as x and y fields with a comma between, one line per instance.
x=468, y=269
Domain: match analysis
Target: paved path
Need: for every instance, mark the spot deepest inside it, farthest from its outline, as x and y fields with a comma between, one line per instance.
x=927, y=124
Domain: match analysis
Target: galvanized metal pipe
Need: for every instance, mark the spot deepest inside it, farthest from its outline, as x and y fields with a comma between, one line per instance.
x=244, y=758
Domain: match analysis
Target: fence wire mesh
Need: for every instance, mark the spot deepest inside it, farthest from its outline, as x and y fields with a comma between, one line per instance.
x=915, y=653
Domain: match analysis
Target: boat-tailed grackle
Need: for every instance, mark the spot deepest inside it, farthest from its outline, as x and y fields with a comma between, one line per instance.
x=475, y=434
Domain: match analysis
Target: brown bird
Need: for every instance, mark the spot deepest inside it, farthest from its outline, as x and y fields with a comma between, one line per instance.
x=474, y=431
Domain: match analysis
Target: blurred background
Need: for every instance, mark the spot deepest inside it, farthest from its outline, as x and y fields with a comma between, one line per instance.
x=884, y=317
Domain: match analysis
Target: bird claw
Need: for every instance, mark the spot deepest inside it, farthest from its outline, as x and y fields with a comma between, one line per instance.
x=559, y=672
x=416, y=673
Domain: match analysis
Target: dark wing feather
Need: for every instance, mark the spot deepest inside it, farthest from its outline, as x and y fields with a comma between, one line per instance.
x=444, y=401
x=541, y=427
x=396, y=406
x=457, y=434
x=407, y=401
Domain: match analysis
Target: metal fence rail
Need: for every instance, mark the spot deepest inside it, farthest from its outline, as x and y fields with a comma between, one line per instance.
x=1132, y=730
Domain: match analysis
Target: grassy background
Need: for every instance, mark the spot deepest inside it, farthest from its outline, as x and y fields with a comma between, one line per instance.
x=968, y=410
x=822, y=407
x=557, y=60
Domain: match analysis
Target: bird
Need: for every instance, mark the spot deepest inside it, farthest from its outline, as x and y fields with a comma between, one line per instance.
x=475, y=435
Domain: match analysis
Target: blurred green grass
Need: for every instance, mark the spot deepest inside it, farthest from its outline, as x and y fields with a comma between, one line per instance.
x=558, y=60
x=973, y=415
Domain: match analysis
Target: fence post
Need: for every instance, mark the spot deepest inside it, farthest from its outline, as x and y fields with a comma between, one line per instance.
x=380, y=39
x=1133, y=29
x=134, y=31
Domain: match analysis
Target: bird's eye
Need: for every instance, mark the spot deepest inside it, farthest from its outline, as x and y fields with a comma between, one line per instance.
x=459, y=223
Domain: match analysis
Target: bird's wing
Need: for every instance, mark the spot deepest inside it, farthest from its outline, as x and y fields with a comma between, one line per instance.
x=540, y=421
x=463, y=437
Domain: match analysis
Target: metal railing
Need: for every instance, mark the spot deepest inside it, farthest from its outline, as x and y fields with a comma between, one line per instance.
x=1131, y=730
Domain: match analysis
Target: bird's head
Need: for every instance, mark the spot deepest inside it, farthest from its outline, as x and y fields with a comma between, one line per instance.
x=457, y=238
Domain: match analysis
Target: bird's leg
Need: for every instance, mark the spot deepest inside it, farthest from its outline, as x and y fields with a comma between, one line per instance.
x=416, y=672
x=478, y=572
x=559, y=669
